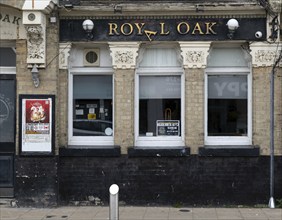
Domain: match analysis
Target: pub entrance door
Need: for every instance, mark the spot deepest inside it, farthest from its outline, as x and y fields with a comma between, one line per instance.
x=7, y=121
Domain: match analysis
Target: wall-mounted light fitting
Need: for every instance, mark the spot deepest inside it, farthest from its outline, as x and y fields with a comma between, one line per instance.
x=35, y=75
x=232, y=25
x=88, y=26
x=53, y=17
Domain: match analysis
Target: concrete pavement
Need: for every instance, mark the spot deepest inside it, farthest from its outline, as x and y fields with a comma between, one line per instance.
x=139, y=213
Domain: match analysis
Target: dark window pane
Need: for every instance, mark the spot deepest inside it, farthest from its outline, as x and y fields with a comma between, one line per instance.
x=151, y=110
x=6, y=171
x=159, y=99
x=92, y=110
x=227, y=117
x=7, y=57
x=227, y=105
x=7, y=110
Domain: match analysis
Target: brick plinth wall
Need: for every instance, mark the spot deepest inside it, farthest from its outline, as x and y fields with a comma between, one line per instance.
x=36, y=182
x=192, y=180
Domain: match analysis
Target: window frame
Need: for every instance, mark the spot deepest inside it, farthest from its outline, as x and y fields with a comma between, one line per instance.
x=89, y=141
x=163, y=141
x=229, y=140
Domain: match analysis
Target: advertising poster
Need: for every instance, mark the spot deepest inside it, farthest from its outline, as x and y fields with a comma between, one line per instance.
x=36, y=125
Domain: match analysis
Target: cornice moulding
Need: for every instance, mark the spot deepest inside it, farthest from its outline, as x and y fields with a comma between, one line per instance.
x=160, y=9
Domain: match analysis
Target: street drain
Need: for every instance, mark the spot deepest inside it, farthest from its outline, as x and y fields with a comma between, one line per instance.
x=53, y=216
x=184, y=210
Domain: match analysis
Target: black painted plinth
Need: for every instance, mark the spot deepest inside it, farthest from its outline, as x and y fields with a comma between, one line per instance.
x=36, y=181
x=229, y=151
x=102, y=151
x=158, y=152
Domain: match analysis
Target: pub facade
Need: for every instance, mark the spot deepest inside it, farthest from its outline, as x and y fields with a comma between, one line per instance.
x=175, y=102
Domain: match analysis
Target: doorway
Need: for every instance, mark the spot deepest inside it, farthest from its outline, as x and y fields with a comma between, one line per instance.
x=7, y=120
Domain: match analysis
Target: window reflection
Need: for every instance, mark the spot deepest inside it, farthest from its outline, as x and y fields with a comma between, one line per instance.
x=227, y=105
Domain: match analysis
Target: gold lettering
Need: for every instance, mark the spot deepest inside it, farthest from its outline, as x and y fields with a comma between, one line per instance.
x=186, y=26
x=149, y=34
x=126, y=31
x=113, y=28
x=139, y=27
x=163, y=29
x=197, y=28
x=209, y=28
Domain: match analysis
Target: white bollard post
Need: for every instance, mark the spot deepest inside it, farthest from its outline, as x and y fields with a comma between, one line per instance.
x=114, y=214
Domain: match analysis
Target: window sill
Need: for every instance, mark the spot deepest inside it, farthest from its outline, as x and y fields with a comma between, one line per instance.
x=158, y=152
x=230, y=151
x=82, y=151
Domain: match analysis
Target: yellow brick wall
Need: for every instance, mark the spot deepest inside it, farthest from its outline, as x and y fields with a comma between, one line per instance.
x=261, y=110
x=63, y=107
x=124, y=108
x=194, y=109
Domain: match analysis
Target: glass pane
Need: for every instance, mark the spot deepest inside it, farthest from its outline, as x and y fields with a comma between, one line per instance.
x=7, y=57
x=159, y=106
x=227, y=87
x=92, y=110
x=228, y=57
x=227, y=106
x=6, y=171
x=160, y=87
x=89, y=87
x=7, y=110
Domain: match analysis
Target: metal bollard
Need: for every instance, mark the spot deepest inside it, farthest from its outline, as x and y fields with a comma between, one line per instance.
x=114, y=214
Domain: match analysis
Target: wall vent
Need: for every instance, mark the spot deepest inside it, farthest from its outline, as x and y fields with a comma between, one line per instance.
x=91, y=57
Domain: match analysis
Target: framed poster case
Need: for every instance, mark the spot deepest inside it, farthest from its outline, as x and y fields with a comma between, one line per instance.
x=37, y=124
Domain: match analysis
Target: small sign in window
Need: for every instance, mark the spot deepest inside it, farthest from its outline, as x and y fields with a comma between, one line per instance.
x=168, y=127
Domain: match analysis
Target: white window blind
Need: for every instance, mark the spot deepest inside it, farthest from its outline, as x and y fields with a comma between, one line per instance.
x=159, y=87
x=228, y=57
x=92, y=87
x=160, y=57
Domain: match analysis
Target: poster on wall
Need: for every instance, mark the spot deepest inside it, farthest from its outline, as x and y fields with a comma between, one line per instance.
x=36, y=124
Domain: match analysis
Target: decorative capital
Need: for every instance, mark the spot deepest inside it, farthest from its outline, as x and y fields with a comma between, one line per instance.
x=264, y=54
x=36, y=45
x=64, y=55
x=194, y=54
x=124, y=54
x=34, y=19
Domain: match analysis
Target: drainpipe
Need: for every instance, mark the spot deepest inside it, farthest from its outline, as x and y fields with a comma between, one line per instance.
x=271, y=203
x=271, y=200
